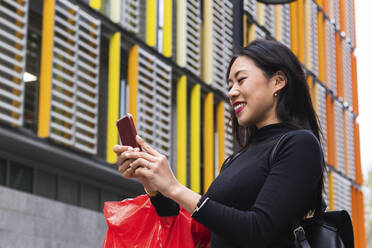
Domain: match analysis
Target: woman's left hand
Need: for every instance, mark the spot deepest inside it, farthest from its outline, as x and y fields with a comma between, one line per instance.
x=154, y=167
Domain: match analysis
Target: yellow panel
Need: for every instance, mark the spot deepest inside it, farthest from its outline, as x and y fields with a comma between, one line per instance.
x=95, y=4
x=261, y=13
x=151, y=21
x=294, y=27
x=252, y=33
x=115, y=10
x=301, y=33
x=245, y=30
x=182, y=130
x=46, y=69
x=195, y=139
x=330, y=191
x=133, y=81
x=278, y=22
x=167, y=29
x=208, y=141
x=207, y=42
x=307, y=38
x=181, y=33
x=113, y=96
x=221, y=132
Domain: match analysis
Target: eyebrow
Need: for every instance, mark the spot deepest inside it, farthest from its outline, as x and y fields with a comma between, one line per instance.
x=235, y=75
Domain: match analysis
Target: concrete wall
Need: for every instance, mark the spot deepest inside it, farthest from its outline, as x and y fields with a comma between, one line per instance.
x=30, y=221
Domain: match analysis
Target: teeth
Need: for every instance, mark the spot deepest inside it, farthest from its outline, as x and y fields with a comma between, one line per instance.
x=239, y=105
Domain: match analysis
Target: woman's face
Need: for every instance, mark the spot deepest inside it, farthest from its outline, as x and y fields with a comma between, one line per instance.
x=251, y=94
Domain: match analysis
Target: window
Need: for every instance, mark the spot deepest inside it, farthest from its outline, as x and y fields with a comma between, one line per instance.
x=21, y=177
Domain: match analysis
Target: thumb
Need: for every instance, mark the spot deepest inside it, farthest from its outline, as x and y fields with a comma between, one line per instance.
x=146, y=147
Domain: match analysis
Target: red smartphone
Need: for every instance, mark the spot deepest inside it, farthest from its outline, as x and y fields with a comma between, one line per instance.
x=127, y=131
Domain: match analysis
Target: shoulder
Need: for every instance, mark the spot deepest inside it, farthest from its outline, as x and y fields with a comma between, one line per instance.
x=301, y=135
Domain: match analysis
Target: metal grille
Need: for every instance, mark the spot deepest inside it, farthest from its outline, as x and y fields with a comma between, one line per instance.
x=87, y=83
x=229, y=139
x=325, y=193
x=341, y=193
x=130, y=15
x=350, y=20
x=74, y=93
x=270, y=19
x=154, y=102
x=340, y=150
x=285, y=25
x=336, y=13
x=331, y=33
x=193, y=36
x=314, y=38
x=250, y=6
x=222, y=41
x=350, y=144
x=13, y=39
x=322, y=115
x=347, y=73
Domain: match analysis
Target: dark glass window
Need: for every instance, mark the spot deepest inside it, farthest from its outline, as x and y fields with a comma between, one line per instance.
x=68, y=191
x=89, y=197
x=2, y=171
x=46, y=184
x=21, y=177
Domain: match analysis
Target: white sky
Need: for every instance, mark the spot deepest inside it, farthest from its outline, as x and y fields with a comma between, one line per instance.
x=363, y=52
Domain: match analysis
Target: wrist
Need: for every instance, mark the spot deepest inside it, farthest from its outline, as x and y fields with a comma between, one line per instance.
x=174, y=191
x=151, y=193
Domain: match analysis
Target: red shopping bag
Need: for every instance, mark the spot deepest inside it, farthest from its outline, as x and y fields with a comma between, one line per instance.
x=135, y=223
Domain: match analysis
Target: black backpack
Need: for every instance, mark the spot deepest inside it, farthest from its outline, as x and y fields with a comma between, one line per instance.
x=326, y=229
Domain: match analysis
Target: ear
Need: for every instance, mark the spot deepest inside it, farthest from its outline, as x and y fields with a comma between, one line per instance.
x=280, y=81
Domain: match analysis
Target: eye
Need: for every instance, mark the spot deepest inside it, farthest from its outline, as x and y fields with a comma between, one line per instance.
x=241, y=79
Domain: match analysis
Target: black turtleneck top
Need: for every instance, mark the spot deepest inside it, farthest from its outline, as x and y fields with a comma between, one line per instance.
x=253, y=203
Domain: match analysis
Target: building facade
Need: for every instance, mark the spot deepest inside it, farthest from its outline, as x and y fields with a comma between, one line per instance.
x=69, y=69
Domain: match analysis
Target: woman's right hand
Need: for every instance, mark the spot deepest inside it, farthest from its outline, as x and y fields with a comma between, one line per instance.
x=124, y=168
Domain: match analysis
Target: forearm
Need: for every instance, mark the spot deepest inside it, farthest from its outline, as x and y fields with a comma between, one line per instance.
x=184, y=196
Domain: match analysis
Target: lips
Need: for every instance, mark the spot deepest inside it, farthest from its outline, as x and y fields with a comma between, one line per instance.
x=239, y=106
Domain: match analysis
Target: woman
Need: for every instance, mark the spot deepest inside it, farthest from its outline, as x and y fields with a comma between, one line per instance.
x=253, y=202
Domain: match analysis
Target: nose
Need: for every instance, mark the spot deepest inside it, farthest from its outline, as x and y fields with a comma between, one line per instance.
x=233, y=92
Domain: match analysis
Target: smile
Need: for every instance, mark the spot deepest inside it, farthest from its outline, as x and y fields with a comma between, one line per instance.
x=239, y=107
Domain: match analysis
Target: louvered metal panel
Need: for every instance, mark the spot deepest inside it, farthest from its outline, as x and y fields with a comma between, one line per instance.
x=270, y=19
x=341, y=193
x=314, y=38
x=193, y=23
x=250, y=6
x=13, y=43
x=222, y=30
x=350, y=20
x=154, y=102
x=64, y=73
x=130, y=15
x=336, y=13
x=229, y=139
x=331, y=61
x=350, y=144
x=86, y=130
x=322, y=115
x=285, y=25
x=325, y=192
x=340, y=150
x=348, y=86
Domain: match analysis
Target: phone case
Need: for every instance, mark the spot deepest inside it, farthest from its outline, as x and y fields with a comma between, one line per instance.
x=127, y=131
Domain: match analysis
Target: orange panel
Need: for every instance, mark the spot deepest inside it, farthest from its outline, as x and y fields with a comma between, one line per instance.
x=342, y=14
x=358, y=166
x=354, y=84
x=363, y=238
x=294, y=27
x=354, y=24
x=321, y=60
x=354, y=215
x=330, y=129
x=301, y=30
x=346, y=153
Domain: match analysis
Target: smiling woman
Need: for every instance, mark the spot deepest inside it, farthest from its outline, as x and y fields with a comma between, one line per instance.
x=254, y=201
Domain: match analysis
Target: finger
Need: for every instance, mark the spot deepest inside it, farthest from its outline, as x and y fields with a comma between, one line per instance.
x=138, y=163
x=142, y=172
x=121, y=158
x=120, y=149
x=137, y=155
x=123, y=167
x=146, y=147
x=128, y=173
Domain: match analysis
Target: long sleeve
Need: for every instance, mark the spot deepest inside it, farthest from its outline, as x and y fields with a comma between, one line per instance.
x=286, y=195
x=164, y=206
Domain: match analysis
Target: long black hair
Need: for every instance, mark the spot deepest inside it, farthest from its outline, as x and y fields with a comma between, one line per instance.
x=294, y=106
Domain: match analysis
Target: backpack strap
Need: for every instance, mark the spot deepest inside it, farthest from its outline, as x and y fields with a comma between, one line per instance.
x=272, y=154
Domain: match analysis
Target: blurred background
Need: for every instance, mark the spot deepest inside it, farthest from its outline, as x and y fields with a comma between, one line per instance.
x=70, y=68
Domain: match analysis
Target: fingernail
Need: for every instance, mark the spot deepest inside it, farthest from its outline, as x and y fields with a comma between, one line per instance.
x=136, y=149
x=130, y=148
x=139, y=137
